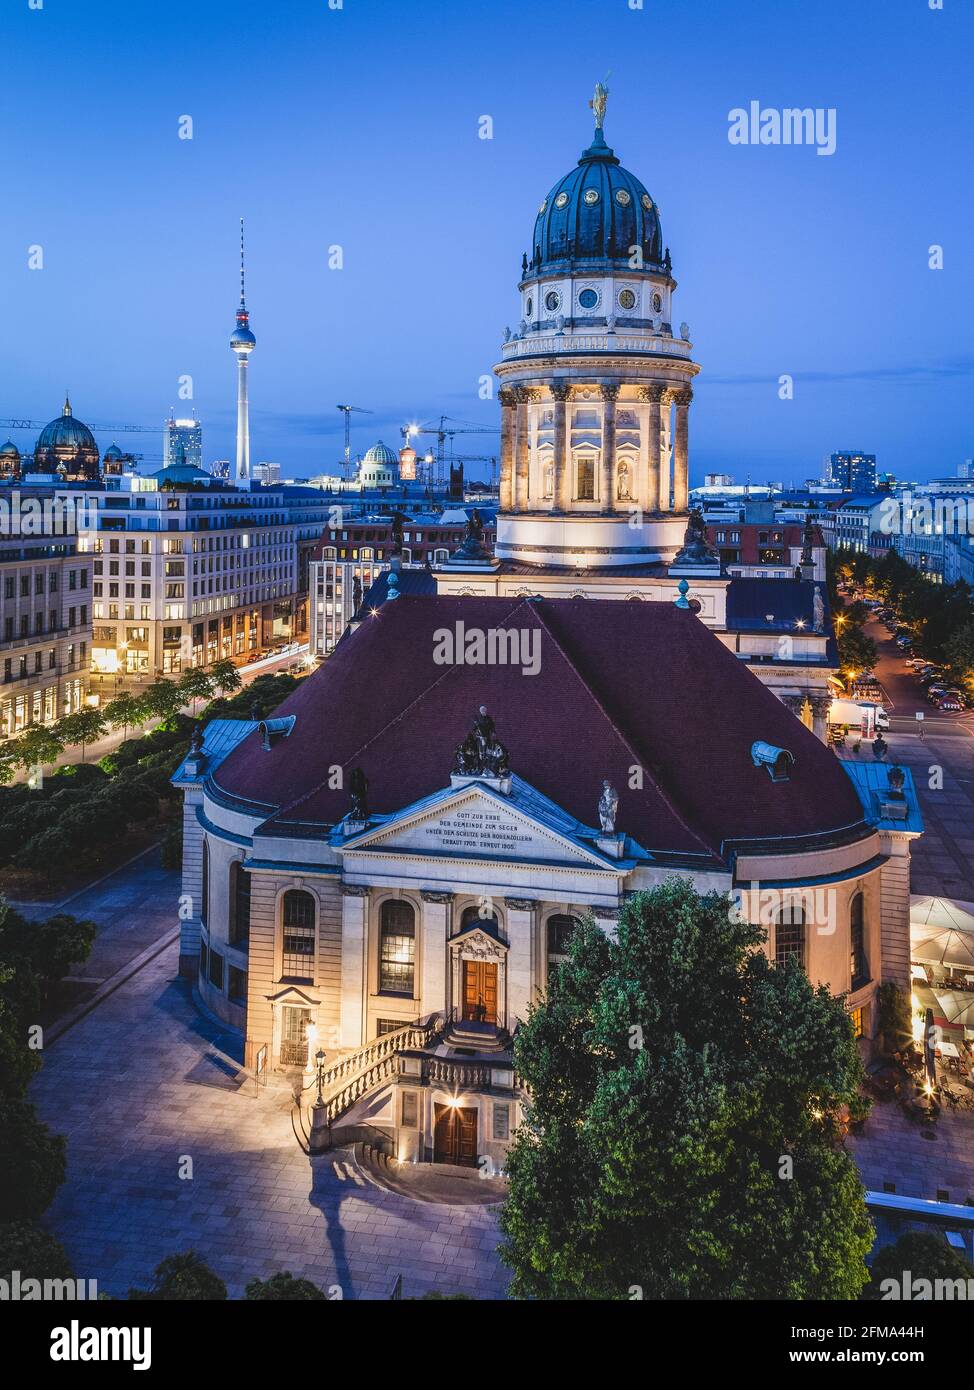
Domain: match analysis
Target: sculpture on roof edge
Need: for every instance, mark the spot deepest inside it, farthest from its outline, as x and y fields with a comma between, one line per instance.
x=358, y=791
x=608, y=807
x=695, y=549
x=818, y=611
x=481, y=754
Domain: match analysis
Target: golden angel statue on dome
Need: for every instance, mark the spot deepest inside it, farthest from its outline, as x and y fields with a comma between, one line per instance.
x=598, y=103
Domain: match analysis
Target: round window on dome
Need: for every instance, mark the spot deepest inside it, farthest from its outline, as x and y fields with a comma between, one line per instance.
x=627, y=300
x=561, y=200
x=591, y=195
x=552, y=301
x=589, y=299
x=623, y=198
x=647, y=202
x=657, y=303
x=529, y=307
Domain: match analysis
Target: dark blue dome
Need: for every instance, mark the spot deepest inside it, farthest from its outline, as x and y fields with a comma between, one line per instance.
x=596, y=213
x=66, y=433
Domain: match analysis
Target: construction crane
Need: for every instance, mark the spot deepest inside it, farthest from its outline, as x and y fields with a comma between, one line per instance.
x=16, y=424
x=347, y=411
x=446, y=429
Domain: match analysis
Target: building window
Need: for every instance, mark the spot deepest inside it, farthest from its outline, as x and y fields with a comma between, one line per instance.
x=410, y=1109
x=859, y=1019
x=858, y=963
x=294, y=1037
x=388, y=1025
x=585, y=479
x=237, y=985
x=239, y=905
x=202, y=960
x=561, y=928
x=205, y=886
x=789, y=936
x=397, y=947
x=502, y=1122
x=298, y=913
x=216, y=970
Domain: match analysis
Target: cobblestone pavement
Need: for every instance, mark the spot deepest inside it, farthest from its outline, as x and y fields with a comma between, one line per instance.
x=891, y=1149
x=145, y=1086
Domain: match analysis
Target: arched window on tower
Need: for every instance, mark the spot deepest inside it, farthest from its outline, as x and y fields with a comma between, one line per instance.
x=858, y=961
x=298, y=935
x=397, y=947
x=789, y=936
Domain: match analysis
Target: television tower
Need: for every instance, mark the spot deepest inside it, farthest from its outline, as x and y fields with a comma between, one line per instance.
x=242, y=343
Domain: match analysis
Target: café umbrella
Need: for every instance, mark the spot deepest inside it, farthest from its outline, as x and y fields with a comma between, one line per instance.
x=956, y=1008
x=949, y=948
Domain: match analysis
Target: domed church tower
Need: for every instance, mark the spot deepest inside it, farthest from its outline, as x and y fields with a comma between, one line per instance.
x=595, y=386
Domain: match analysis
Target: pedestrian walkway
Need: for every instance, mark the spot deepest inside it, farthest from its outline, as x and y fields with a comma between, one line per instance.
x=170, y=1149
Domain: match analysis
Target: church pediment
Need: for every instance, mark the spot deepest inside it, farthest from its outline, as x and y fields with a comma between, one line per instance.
x=477, y=822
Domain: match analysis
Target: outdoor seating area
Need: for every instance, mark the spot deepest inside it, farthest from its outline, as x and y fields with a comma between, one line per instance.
x=942, y=976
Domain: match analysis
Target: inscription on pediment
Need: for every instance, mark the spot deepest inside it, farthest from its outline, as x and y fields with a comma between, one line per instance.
x=473, y=828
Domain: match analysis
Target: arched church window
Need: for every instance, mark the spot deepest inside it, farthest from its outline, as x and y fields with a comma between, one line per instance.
x=298, y=935
x=397, y=947
x=859, y=965
x=472, y=917
x=789, y=935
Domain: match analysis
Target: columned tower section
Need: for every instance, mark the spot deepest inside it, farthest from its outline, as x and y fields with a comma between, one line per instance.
x=242, y=344
x=595, y=384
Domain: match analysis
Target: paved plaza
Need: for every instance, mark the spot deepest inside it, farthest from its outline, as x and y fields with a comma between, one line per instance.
x=144, y=1086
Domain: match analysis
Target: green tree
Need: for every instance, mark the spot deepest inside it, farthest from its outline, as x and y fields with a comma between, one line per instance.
x=163, y=698
x=857, y=652
x=41, y=743
x=125, y=711
x=84, y=726
x=684, y=1131
x=31, y=1250
x=32, y=1161
x=922, y=1255
x=46, y=949
x=959, y=651
x=181, y=1278
x=196, y=684
x=226, y=678
x=284, y=1287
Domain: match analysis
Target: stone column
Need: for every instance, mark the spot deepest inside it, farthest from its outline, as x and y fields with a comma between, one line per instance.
x=355, y=917
x=607, y=489
x=435, y=927
x=522, y=458
x=665, y=503
x=562, y=500
x=649, y=489
x=681, y=453
x=821, y=704
x=522, y=987
x=508, y=402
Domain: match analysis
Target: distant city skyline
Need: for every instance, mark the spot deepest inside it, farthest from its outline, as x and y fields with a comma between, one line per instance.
x=788, y=264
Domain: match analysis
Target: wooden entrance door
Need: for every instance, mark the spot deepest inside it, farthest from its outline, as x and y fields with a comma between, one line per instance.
x=480, y=991
x=455, y=1135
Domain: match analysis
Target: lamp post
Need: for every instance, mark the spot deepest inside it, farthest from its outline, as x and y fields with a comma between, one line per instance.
x=320, y=1136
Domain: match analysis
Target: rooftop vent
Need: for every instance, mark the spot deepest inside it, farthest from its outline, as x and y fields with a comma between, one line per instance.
x=778, y=761
x=271, y=729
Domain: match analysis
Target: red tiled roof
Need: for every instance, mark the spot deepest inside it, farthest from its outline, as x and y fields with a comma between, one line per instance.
x=621, y=686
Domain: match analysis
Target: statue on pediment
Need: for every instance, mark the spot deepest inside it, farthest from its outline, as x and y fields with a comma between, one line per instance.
x=608, y=808
x=481, y=754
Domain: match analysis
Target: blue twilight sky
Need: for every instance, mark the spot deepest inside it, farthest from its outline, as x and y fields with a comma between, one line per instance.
x=359, y=127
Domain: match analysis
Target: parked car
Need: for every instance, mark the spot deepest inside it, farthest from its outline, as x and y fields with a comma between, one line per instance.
x=950, y=702
x=935, y=693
